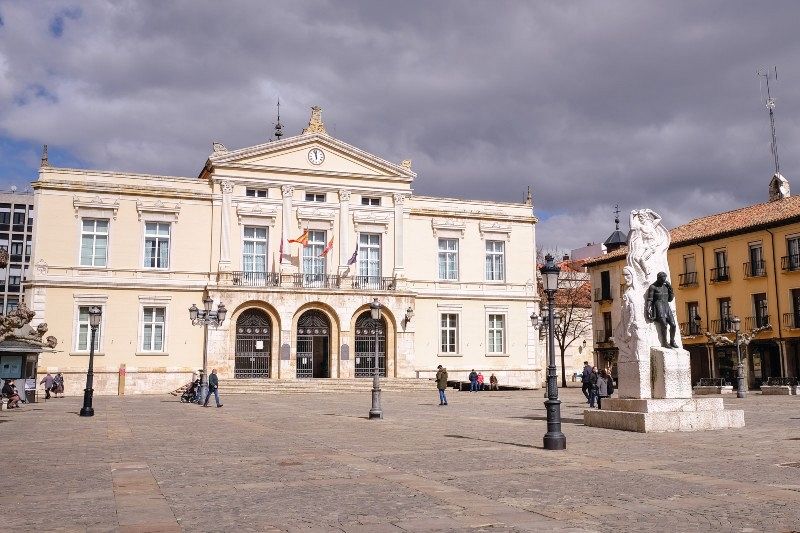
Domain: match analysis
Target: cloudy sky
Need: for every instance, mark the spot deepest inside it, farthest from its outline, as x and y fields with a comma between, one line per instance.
x=590, y=103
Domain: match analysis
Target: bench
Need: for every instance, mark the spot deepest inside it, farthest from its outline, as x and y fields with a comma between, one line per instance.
x=712, y=386
x=780, y=386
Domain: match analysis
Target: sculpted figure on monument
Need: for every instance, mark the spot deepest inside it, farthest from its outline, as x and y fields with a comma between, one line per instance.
x=629, y=325
x=659, y=295
x=647, y=244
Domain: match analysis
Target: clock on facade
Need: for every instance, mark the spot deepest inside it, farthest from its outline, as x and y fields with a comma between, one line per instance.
x=316, y=156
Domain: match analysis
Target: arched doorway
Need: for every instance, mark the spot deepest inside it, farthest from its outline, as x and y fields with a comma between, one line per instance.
x=313, y=345
x=367, y=335
x=253, y=345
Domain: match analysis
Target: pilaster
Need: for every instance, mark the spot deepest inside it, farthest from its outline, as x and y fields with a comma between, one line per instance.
x=399, y=265
x=287, y=191
x=344, y=230
x=225, y=238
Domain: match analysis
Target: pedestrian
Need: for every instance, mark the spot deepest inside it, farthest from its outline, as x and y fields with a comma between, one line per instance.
x=585, y=384
x=58, y=385
x=473, y=381
x=441, y=383
x=593, y=378
x=48, y=385
x=10, y=391
x=213, y=386
x=605, y=387
x=493, y=382
x=480, y=380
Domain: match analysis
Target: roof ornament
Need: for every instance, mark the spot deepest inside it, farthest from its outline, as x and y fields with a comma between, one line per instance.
x=617, y=239
x=769, y=103
x=529, y=197
x=315, y=124
x=44, y=162
x=218, y=147
x=406, y=164
x=278, y=125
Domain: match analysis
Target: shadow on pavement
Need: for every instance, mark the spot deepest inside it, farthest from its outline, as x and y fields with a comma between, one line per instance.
x=578, y=421
x=495, y=441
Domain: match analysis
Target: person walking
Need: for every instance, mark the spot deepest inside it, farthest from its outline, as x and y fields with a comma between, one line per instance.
x=58, y=385
x=593, y=378
x=48, y=385
x=473, y=381
x=480, y=381
x=441, y=383
x=213, y=386
x=585, y=384
x=493, y=382
x=605, y=387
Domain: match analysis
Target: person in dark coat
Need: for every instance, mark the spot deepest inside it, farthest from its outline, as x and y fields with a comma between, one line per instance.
x=48, y=385
x=473, y=381
x=10, y=392
x=441, y=383
x=605, y=387
x=593, y=377
x=587, y=371
x=213, y=386
x=58, y=385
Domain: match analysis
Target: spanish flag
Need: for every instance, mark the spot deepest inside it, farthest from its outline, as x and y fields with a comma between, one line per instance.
x=327, y=248
x=302, y=239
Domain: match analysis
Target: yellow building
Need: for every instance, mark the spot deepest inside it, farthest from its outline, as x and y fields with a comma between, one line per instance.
x=743, y=263
x=144, y=248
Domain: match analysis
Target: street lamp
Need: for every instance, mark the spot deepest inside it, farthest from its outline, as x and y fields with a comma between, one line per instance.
x=204, y=317
x=95, y=315
x=740, y=390
x=554, y=439
x=375, y=316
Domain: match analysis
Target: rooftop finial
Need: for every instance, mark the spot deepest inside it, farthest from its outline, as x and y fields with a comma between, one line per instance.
x=45, y=162
x=616, y=216
x=769, y=102
x=529, y=197
x=278, y=125
x=315, y=124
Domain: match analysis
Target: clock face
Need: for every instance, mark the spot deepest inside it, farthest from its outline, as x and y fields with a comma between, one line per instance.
x=316, y=156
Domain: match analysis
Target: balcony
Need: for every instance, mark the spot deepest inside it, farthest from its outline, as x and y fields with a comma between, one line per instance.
x=688, y=279
x=602, y=336
x=719, y=274
x=601, y=295
x=791, y=320
x=790, y=263
x=757, y=321
x=308, y=281
x=722, y=325
x=691, y=329
x=755, y=269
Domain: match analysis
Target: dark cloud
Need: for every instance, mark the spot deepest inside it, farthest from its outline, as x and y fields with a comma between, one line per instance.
x=592, y=104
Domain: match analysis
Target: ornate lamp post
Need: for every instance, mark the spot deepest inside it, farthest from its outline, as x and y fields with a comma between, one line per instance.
x=204, y=317
x=736, y=322
x=95, y=315
x=375, y=315
x=554, y=439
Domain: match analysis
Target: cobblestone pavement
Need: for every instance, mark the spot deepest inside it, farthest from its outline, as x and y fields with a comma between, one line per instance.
x=313, y=462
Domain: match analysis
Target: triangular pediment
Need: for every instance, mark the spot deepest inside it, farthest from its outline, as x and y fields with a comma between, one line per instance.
x=292, y=154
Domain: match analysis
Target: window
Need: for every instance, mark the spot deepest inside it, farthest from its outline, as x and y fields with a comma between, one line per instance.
x=315, y=197
x=607, y=328
x=605, y=285
x=94, y=242
x=693, y=316
x=448, y=259
x=756, y=265
x=449, y=333
x=12, y=302
x=495, y=260
x=796, y=307
x=156, y=245
x=254, y=255
x=369, y=255
x=84, y=331
x=496, y=342
x=313, y=264
x=5, y=215
x=28, y=246
x=16, y=248
x=256, y=193
x=720, y=270
x=366, y=200
x=793, y=250
x=689, y=264
x=19, y=216
x=724, y=315
x=761, y=311
x=153, y=320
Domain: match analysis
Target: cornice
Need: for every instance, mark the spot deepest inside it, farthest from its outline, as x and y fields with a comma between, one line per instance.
x=439, y=224
x=466, y=214
x=316, y=213
x=129, y=190
x=165, y=209
x=256, y=210
x=94, y=203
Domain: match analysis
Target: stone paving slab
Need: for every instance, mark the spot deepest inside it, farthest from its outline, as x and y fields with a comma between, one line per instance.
x=313, y=462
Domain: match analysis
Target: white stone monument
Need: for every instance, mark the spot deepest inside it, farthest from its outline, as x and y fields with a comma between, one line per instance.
x=655, y=389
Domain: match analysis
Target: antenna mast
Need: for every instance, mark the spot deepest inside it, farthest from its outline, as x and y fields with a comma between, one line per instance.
x=278, y=125
x=770, y=104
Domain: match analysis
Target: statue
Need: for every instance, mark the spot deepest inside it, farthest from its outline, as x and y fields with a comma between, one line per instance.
x=659, y=295
x=629, y=325
x=16, y=326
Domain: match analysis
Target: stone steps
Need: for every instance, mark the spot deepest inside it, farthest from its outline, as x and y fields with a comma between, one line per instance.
x=266, y=386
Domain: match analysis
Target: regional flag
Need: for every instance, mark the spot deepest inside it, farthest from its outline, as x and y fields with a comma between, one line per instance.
x=302, y=239
x=327, y=248
x=353, y=257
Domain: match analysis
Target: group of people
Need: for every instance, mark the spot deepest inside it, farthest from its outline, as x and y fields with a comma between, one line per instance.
x=54, y=384
x=476, y=381
x=596, y=385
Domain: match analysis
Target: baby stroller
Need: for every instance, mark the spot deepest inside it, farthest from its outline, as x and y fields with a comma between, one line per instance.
x=190, y=395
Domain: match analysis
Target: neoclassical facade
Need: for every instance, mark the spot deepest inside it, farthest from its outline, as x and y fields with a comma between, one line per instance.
x=455, y=278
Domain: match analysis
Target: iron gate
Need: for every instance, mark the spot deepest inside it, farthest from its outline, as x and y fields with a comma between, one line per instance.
x=310, y=325
x=365, y=346
x=253, y=346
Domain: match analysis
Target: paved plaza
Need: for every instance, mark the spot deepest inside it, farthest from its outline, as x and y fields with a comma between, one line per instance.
x=313, y=462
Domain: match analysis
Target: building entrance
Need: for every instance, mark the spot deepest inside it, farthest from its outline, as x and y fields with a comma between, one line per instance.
x=367, y=335
x=313, y=345
x=253, y=345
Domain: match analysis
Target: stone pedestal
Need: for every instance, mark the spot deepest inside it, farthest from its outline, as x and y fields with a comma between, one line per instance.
x=671, y=407
x=634, y=379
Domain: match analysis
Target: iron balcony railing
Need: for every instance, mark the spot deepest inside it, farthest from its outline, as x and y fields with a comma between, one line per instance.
x=602, y=335
x=720, y=274
x=722, y=325
x=757, y=321
x=692, y=328
x=755, y=269
x=790, y=263
x=311, y=281
x=315, y=281
x=373, y=283
x=687, y=279
x=256, y=279
x=775, y=381
x=791, y=320
x=713, y=382
x=601, y=295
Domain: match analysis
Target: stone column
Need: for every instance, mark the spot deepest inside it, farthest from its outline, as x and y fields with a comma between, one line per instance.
x=782, y=354
x=712, y=364
x=344, y=230
x=399, y=268
x=225, y=237
x=287, y=191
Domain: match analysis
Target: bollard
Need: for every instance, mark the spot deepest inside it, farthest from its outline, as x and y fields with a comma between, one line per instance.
x=121, y=382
